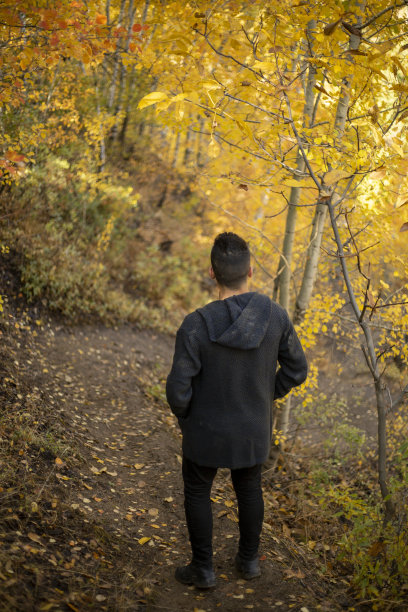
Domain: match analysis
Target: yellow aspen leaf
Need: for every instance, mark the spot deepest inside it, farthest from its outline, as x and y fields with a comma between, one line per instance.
x=294, y=574
x=400, y=87
x=245, y=129
x=295, y=183
x=35, y=538
x=59, y=461
x=152, y=98
x=381, y=74
x=179, y=111
x=47, y=606
x=334, y=176
x=235, y=44
x=265, y=66
x=144, y=540
x=390, y=142
x=214, y=149
x=399, y=65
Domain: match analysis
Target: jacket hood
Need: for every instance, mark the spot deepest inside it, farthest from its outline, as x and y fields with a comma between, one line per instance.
x=239, y=321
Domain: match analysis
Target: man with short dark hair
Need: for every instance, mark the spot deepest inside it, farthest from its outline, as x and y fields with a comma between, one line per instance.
x=221, y=387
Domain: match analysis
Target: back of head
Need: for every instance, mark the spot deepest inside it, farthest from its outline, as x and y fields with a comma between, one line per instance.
x=230, y=260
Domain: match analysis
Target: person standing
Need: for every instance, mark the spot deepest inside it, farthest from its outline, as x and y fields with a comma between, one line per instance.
x=232, y=358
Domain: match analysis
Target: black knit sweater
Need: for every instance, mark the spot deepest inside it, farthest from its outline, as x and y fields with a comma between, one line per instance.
x=224, y=378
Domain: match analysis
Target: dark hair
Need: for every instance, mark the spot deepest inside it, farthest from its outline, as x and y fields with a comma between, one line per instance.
x=230, y=260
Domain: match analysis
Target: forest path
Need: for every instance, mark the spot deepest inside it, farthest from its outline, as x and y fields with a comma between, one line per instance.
x=107, y=385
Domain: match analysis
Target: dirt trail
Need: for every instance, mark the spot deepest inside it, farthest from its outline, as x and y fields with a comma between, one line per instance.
x=104, y=383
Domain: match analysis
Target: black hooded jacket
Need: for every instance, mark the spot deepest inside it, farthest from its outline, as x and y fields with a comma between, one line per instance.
x=224, y=378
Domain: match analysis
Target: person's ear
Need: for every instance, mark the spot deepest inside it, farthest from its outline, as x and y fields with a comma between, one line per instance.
x=211, y=273
x=250, y=272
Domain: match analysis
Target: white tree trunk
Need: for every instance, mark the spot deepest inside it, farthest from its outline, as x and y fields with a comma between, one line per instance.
x=313, y=250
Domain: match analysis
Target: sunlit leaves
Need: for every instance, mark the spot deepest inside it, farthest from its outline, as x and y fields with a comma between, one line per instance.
x=152, y=98
x=39, y=51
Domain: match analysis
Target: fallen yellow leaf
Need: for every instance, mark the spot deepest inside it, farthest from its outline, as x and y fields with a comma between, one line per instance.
x=35, y=538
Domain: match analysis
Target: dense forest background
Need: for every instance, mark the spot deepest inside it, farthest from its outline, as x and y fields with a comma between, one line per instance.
x=132, y=132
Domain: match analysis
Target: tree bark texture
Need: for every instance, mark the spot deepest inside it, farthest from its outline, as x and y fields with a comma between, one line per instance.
x=283, y=276
x=313, y=250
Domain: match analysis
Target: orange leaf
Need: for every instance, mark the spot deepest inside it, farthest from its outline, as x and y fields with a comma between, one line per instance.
x=14, y=156
x=100, y=19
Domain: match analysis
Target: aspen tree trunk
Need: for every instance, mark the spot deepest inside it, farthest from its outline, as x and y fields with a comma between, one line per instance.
x=183, y=144
x=123, y=71
x=176, y=151
x=283, y=276
x=131, y=87
x=102, y=146
x=313, y=250
x=107, y=12
x=172, y=147
x=116, y=61
x=198, y=144
x=312, y=261
x=187, y=149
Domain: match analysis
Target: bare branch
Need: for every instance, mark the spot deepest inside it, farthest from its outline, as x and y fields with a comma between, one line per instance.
x=300, y=144
x=381, y=13
x=263, y=110
x=251, y=227
x=400, y=398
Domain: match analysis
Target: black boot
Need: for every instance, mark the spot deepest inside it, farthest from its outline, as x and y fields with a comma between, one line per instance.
x=247, y=569
x=201, y=577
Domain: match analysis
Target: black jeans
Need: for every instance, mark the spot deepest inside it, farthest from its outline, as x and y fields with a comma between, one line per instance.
x=197, y=489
